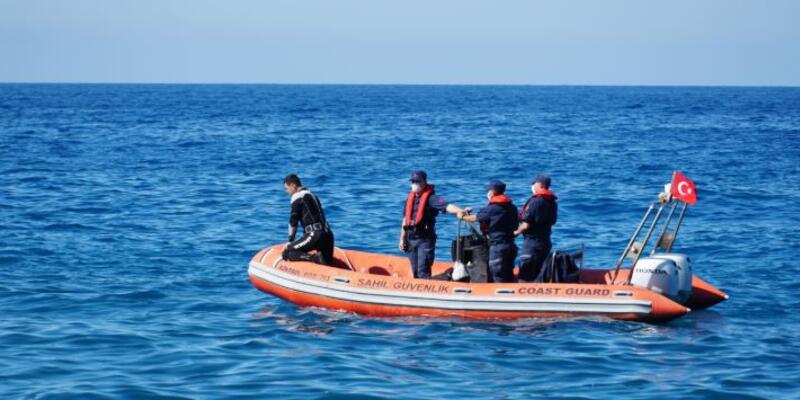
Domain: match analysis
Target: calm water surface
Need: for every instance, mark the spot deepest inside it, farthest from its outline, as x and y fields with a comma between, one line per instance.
x=128, y=214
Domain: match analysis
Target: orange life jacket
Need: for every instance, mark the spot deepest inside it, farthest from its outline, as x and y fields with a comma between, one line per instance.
x=500, y=199
x=496, y=199
x=542, y=192
x=424, y=195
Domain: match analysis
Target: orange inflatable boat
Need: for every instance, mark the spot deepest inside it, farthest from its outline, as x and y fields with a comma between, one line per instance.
x=658, y=287
x=382, y=285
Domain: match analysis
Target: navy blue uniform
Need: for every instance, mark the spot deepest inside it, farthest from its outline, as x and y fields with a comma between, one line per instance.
x=499, y=220
x=422, y=237
x=540, y=213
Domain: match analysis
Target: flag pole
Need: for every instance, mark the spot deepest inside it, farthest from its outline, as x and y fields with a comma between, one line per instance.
x=677, y=226
x=666, y=225
x=644, y=242
x=631, y=241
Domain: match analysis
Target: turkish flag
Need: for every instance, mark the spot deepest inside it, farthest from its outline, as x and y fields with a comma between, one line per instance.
x=683, y=189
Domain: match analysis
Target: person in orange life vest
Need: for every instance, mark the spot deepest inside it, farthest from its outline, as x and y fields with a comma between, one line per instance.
x=418, y=230
x=536, y=221
x=317, y=235
x=498, y=220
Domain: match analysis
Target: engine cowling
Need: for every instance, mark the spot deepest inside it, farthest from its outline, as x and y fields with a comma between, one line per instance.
x=657, y=274
x=684, y=264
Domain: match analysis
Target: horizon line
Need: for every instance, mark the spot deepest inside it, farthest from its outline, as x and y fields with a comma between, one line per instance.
x=389, y=84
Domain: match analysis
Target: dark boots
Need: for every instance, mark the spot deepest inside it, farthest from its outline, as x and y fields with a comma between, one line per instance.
x=295, y=255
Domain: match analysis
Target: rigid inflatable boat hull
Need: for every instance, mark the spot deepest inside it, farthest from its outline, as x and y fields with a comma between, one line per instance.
x=379, y=285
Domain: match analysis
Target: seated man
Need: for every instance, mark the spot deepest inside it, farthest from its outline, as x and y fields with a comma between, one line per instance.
x=498, y=220
x=317, y=235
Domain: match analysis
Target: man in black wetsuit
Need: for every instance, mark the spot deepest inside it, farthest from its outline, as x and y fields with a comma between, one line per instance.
x=307, y=209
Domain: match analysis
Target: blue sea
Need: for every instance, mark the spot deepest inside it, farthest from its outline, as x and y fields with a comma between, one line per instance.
x=129, y=213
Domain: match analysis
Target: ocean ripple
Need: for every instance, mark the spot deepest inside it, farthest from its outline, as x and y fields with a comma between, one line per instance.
x=130, y=213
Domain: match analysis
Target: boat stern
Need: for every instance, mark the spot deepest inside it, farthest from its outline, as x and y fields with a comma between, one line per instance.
x=704, y=295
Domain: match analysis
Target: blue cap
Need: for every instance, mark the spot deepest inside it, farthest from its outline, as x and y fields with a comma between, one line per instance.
x=543, y=179
x=497, y=186
x=418, y=176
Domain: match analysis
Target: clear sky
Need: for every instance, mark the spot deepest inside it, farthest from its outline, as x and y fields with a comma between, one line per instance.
x=613, y=42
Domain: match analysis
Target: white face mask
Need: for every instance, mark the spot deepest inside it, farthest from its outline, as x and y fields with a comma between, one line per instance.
x=533, y=189
x=489, y=195
x=416, y=187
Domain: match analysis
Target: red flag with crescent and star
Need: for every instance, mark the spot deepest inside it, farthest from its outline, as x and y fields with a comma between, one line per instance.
x=683, y=189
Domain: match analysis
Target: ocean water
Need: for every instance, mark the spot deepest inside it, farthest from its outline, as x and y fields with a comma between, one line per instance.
x=128, y=214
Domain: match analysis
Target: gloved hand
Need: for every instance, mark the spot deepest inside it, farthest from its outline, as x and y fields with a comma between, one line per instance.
x=403, y=246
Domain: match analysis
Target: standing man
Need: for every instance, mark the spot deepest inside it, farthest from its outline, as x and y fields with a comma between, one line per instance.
x=498, y=220
x=418, y=230
x=535, y=224
x=317, y=235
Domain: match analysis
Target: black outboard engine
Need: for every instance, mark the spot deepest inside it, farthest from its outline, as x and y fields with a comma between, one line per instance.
x=473, y=251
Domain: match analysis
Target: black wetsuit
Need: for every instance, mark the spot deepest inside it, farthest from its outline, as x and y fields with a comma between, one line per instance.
x=307, y=210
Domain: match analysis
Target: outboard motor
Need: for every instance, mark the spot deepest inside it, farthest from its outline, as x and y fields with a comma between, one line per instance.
x=657, y=274
x=684, y=264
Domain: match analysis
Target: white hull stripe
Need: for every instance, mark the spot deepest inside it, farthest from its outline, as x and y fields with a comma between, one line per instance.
x=450, y=302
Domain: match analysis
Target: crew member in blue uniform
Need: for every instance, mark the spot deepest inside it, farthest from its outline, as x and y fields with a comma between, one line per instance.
x=535, y=224
x=317, y=235
x=498, y=221
x=418, y=230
